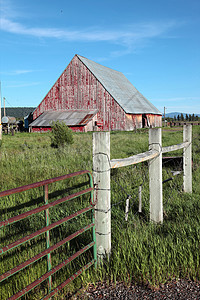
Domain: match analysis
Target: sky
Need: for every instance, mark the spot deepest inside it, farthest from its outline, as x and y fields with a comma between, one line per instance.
x=154, y=43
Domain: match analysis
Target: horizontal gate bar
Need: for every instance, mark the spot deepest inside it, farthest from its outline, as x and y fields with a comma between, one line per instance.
x=43, y=207
x=41, y=183
x=31, y=286
x=62, y=285
x=45, y=252
x=175, y=147
x=44, y=229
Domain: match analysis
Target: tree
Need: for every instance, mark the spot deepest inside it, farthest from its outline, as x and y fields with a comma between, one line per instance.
x=178, y=118
x=190, y=118
x=174, y=118
x=186, y=117
x=60, y=134
x=182, y=117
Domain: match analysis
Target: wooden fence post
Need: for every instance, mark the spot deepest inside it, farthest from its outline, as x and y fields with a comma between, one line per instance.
x=140, y=199
x=155, y=176
x=127, y=208
x=101, y=174
x=187, y=159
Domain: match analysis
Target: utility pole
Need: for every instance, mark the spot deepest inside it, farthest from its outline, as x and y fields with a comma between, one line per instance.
x=164, y=115
x=4, y=107
x=0, y=116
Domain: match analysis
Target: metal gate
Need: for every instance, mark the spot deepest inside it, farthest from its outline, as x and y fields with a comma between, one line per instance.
x=46, y=229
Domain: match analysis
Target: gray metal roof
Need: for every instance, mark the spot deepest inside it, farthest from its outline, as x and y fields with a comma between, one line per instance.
x=120, y=88
x=69, y=117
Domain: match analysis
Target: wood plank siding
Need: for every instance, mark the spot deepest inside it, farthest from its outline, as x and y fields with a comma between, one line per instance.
x=78, y=88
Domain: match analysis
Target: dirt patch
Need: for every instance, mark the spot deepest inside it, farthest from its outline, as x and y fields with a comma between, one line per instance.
x=177, y=289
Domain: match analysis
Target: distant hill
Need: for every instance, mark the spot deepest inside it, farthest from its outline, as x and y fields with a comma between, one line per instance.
x=17, y=112
x=172, y=114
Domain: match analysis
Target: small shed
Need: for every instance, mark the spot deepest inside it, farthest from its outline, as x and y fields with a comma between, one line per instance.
x=77, y=119
x=105, y=99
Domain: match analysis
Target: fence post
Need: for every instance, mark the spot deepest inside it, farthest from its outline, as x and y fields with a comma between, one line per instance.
x=101, y=174
x=155, y=176
x=140, y=199
x=127, y=208
x=187, y=159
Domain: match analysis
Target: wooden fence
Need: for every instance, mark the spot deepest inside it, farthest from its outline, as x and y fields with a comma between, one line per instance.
x=101, y=173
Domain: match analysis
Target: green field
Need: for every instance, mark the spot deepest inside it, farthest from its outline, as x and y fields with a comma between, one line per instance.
x=141, y=251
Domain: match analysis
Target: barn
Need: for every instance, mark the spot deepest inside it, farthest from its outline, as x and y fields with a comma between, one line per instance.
x=89, y=96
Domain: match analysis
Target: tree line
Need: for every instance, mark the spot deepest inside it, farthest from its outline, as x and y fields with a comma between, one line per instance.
x=187, y=117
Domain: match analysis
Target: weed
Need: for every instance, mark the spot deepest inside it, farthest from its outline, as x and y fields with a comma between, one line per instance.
x=60, y=134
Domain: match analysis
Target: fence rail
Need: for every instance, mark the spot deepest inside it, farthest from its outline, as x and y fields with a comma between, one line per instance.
x=135, y=159
x=46, y=229
x=101, y=170
x=175, y=147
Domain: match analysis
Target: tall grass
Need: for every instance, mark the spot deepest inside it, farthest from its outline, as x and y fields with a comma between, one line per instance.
x=141, y=251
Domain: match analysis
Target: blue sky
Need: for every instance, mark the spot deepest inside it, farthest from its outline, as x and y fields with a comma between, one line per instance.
x=154, y=43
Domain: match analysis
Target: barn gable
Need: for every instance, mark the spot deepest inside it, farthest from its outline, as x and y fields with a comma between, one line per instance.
x=86, y=85
x=121, y=89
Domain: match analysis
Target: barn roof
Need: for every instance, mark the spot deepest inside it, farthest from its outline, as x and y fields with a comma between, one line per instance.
x=75, y=117
x=120, y=88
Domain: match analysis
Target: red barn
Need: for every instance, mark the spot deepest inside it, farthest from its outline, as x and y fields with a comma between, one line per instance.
x=88, y=96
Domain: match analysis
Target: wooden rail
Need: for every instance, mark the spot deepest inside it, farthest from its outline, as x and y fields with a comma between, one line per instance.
x=141, y=157
x=175, y=147
x=135, y=159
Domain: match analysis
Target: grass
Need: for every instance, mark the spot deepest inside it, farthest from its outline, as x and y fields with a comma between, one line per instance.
x=141, y=251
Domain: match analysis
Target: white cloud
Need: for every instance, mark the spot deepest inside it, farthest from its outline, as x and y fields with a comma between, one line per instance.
x=20, y=84
x=16, y=72
x=127, y=36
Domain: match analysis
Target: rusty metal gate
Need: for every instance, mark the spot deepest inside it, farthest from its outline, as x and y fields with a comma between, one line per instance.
x=46, y=229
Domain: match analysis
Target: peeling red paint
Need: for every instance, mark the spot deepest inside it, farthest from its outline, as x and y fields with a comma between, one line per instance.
x=46, y=129
x=40, y=129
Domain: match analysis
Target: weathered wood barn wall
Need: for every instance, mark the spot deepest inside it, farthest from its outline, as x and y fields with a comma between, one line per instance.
x=86, y=85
